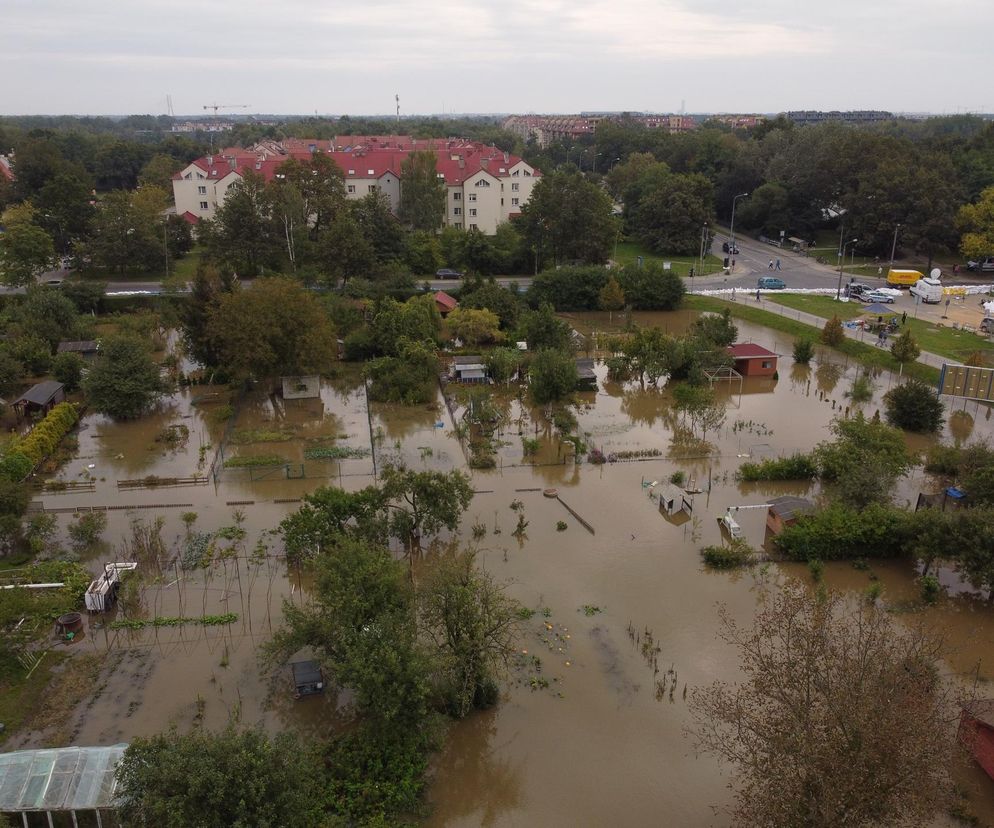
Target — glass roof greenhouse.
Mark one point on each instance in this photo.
(60, 779)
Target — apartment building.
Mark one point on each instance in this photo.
(485, 186)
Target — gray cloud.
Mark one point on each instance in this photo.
(471, 56)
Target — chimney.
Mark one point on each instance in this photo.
(210, 160)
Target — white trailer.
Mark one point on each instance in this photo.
(102, 593)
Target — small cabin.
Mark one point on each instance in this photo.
(86, 348)
(976, 732)
(586, 377)
(752, 360)
(301, 388)
(445, 303)
(42, 397)
(469, 369)
(307, 679)
(784, 511)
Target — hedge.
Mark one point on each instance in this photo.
(41, 441)
(795, 467)
(839, 532)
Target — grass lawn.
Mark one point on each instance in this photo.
(866, 353)
(944, 341)
(180, 271)
(20, 697)
(629, 251)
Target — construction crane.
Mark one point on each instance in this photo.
(217, 124)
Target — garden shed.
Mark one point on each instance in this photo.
(784, 511)
(752, 360)
(307, 678)
(976, 732)
(60, 786)
(445, 303)
(586, 378)
(86, 348)
(301, 388)
(42, 397)
(469, 369)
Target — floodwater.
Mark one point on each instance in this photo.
(588, 732)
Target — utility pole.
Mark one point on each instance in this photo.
(893, 247)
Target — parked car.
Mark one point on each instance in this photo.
(771, 283)
(987, 325)
(447, 273)
(856, 289)
(877, 296)
(985, 264)
(729, 248)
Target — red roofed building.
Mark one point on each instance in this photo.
(445, 303)
(752, 360)
(6, 172)
(485, 185)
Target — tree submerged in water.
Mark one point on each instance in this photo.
(842, 717)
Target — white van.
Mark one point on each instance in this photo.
(929, 289)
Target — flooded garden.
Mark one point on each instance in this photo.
(621, 614)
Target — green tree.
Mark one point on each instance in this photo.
(208, 285)
(422, 192)
(330, 514)
(488, 295)
(425, 502)
(123, 381)
(543, 329)
(232, 778)
(716, 328)
(701, 406)
(395, 323)
(767, 210)
(67, 368)
(473, 625)
(612, 297)
(45, 313)
(976, 224)
(567, 218)
(864, 461)
(344, 252)
(26, 250)
(65, 209)
(905, 348)
(159, 170)
(423, 254)
(474, 327)
(804, 351)
(868, 687)
(379, 226)
(242, 235)
(650, 287)
(833, 333)
(552, 376)
(127, 231)
(11, 371)
(666, 210)
(914, 406)
(276, 327)
(503, 364)
(409, 375)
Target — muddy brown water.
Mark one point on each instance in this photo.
(587, 732)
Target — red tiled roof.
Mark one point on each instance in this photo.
(749, 350)
(5, 170)
(446, 301)
(190, 218)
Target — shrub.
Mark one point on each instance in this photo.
(833, 333)
(737, 553)
(861, 390)
(837, 532)
(45, 437)
(804, 351)
(914, 406)
(930, 588)
(85, 530)
(15, 466)
(678, 478)
(796, 467)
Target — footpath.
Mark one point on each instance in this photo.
(858, 334)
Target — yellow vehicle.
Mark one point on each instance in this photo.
(903, 278)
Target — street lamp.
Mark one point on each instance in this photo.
(731, 231)
(893, 246)
(842, 261)
(596, 156)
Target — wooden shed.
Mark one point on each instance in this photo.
(976, 732)
(42, 397)
(784, 511)
(86, 348)
(752, 360)
(445, 303)
(307, 678)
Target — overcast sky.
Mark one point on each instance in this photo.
(332, 57)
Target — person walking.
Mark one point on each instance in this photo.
(778, 265)
(904, 317)
(757, 294)
(771, 264)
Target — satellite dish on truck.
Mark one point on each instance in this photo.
(936, 273)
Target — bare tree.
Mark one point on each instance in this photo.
(842, 717)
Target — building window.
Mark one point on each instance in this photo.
(767, 364)
(515, 173)
(515, 202)
(351, 188)
(457, 211)
(456, 196)
(457, 225)
(473, 227)
(482, 183)
(472, 211)
(351, 172)
(203, 205)
(371, 172)
(472, 196)
(515, 186)
(373, 188)
(201, 190)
